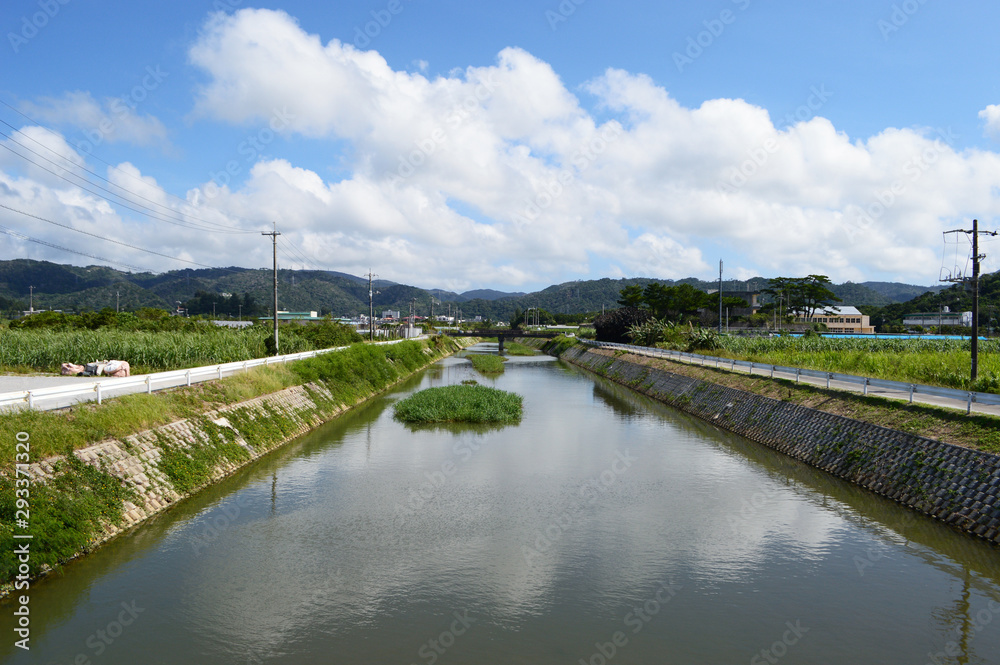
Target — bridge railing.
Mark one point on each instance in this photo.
(864, 383)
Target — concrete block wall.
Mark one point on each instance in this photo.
(136, 458)
(956, 485)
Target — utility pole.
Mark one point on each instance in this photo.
(274, 240)
(117, 301)
(371, 306)
(31, 300)
(720, 297)
(976, 258)
(413, 316)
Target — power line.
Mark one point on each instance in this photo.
(22, 236)
(220, 227)
(109, 164)
(142, 210)
(117, 242)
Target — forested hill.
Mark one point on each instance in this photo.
(957, 298)
(75, 288)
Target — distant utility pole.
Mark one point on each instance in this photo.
(371, 306)
(31, 299)
(720, 296)
(976, 258)
(274, 240)
(117, 300)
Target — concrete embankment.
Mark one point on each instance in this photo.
(955, 485)
(161, 466)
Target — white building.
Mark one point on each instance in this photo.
(938, 319)
(844, 319)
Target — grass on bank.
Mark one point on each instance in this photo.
(518, 349)
(356, 372)
(930, 362)
(460, 404)
(977, 431)
(486, 363)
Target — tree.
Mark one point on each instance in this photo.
(615, 325)
(802, 295)
(633, 296)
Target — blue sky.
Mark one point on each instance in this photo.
(445, 144)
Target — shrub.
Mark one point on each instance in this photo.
(614, 325)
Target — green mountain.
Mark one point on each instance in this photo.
(74, 288)
(957, 298)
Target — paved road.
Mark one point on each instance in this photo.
(12, 384)
(918, 398)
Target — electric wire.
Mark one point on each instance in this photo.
(124, 173)
(219, 227)
(117, 242)
(130, 205)
(22, 236)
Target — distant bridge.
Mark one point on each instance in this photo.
(503, 333)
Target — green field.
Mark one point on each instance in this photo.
(932, 362)
(46, 350)
(460, 404)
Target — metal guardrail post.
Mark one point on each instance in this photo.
(772, 371)
(31, 400)
(751, 368)
(968, 408)
(187, 375)
(149, 384)
(100, 392)
(912, 388)
(829, 376)
(245, 368)
(220, 371)
(732, 368)
(797, 372)
(866, 386)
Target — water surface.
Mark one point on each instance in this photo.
(604, 528)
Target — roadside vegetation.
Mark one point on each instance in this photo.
(467, 403)
(977, 431)
(931, 362)
(666, 317)
(486, 363)
(150, 340)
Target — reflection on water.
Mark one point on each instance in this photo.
(604, 526)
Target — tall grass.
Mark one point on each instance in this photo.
(45, 350)
(465, 404)
(932, 362)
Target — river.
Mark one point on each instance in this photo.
(605, 528)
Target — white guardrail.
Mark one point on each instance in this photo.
(98, 390)
(864, 382)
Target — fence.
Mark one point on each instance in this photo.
(863, 382)
(98, 390)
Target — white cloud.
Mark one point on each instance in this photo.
(991, 116)
(500, 176)
(114, 120)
